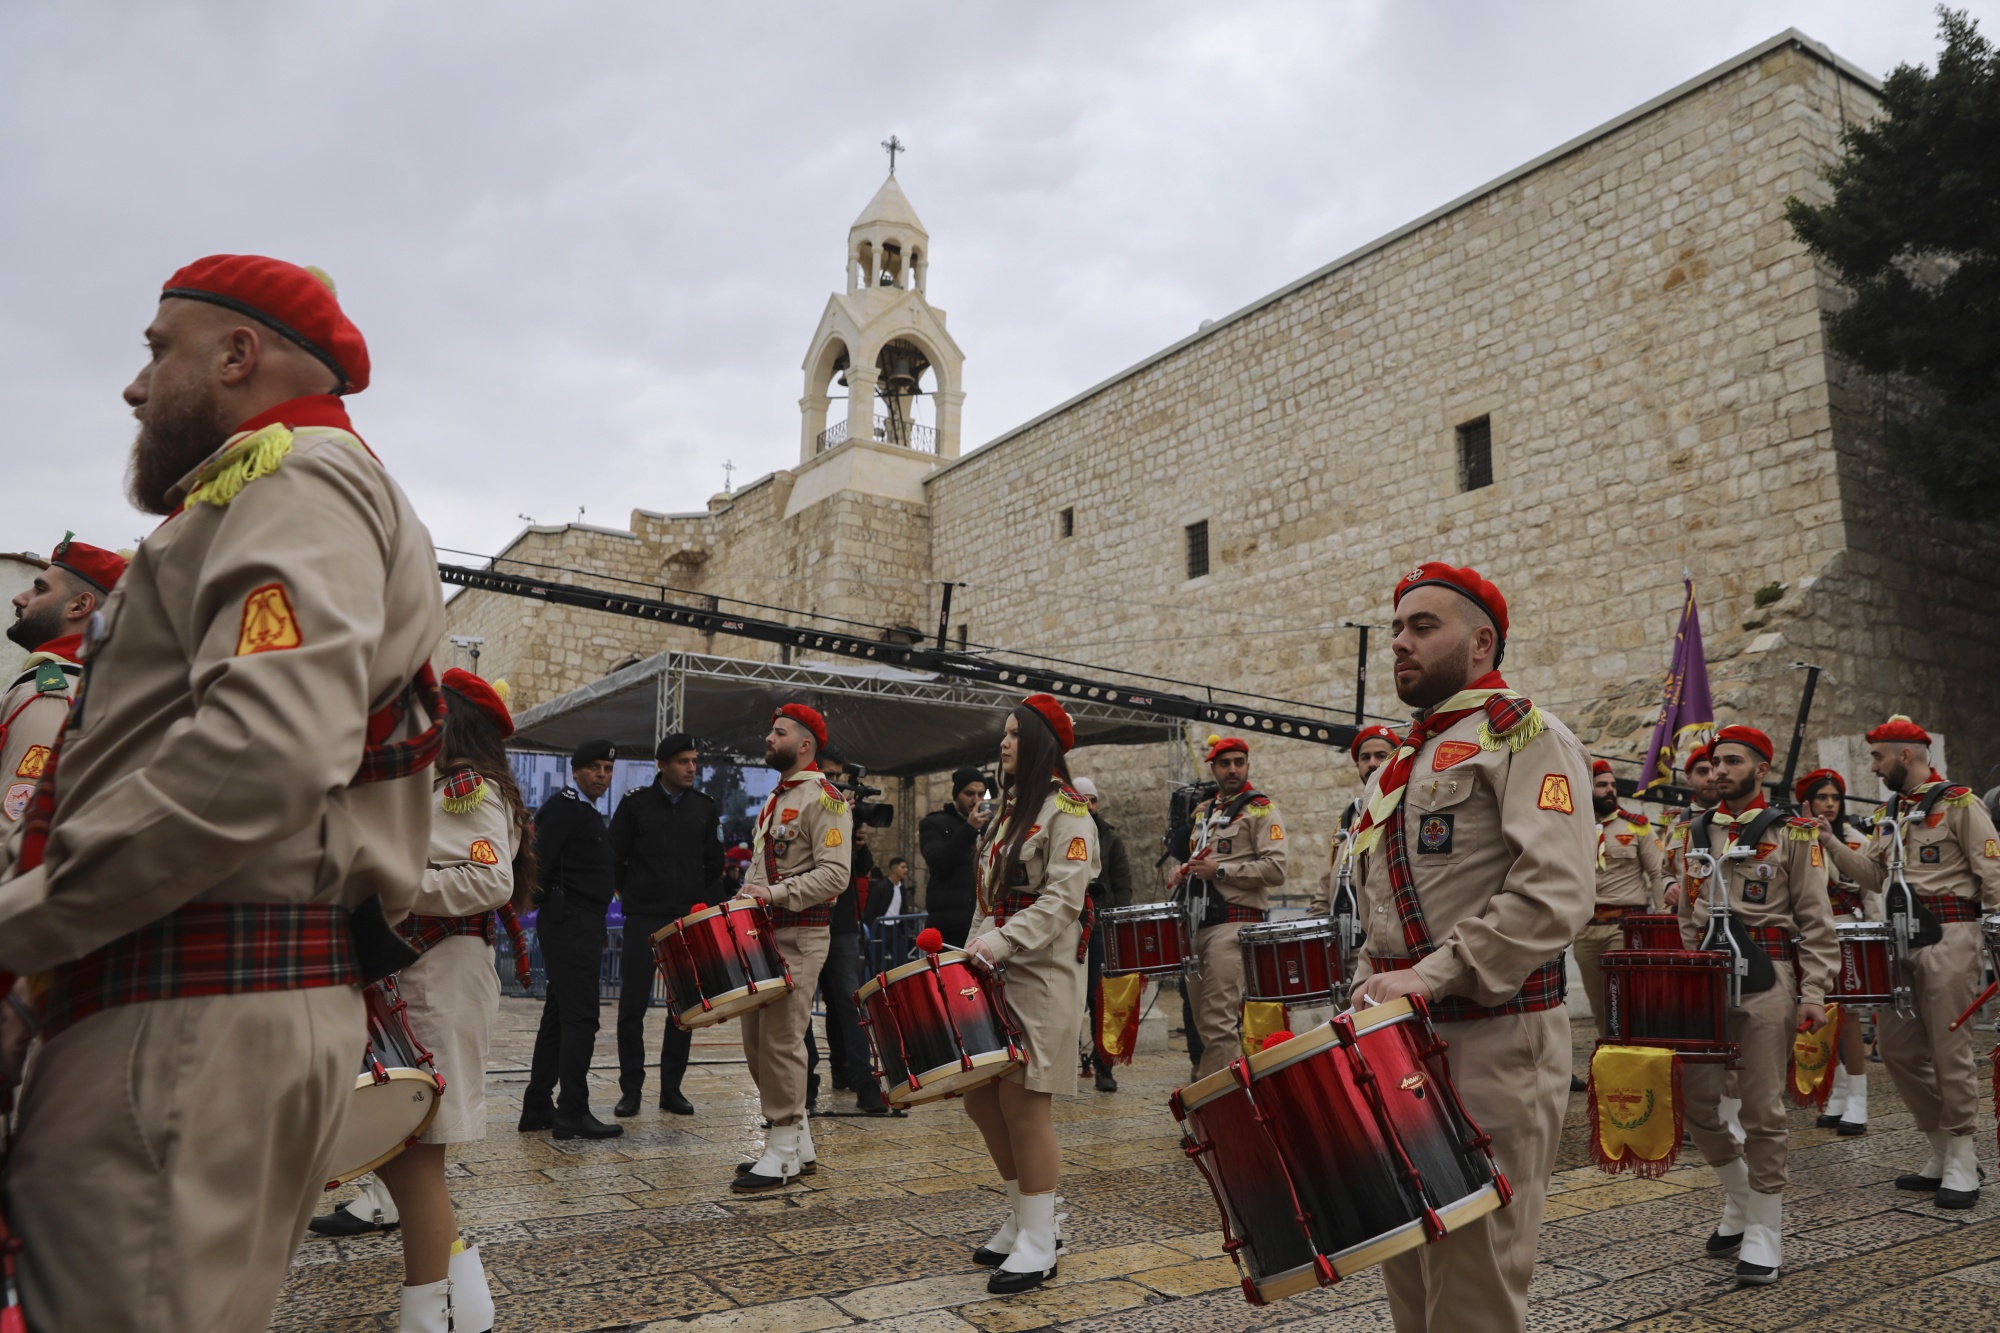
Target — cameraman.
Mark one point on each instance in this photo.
(841, 976)
(947, 837)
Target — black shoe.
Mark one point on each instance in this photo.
(986, 1258)
(1004, 1283)
(1828, 1122)
(1720, 1245)
(840, 1083)
(812, 1092)
(1955, 1198)
(532, 1121)
(805, 1168)
(672, 1102)
(1754, 1275)
(1576, 1084)
(342, 1223)
(628, 1106)
(1917, 1184)
(586, 1126)
(869, 1101)
(1106, 1083)
(1847, 1129)
(749, 1182)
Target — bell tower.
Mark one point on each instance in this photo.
(882, 372)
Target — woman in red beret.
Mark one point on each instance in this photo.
(1035, 862)
(1822, 795)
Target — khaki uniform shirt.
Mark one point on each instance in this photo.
(1321, 901)
(225, 709)
(1675, 841)
(1502, 850)
(810, 824)
(31, 713)
(1249, 850)
(1953, 850)
(471, 865)
(1630, 864)
(1058, 861)
(1782, 885)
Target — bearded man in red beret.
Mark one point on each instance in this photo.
(237, 809)
(1372, 747)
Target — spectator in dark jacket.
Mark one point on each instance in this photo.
(1111, 888)
(840, 976)
(666, 846)
(947, 837)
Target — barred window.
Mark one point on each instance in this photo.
(1197, 549)
(1475, 454)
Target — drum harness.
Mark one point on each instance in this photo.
(1750, 970)
(1911, 925)
(1194, 892)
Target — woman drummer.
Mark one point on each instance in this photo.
(1035, 862)
(1822, 795)
(481, 859)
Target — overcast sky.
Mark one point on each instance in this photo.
(588, 242)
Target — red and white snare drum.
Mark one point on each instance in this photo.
(720, 962)
(939, 1027)
(1867, 963)
(1677, 998)
(1297, 962)
(1652, 930)
(395, 1094)
(1148, 938)
(1338, 1149)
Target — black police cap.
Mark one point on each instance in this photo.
(591, 751)
(678, 743)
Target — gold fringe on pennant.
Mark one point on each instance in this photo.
(242, 463)
(1517, 737)
(1071, 804)
(466, 804)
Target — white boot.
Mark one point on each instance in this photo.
(1033, 1261)
(1959, 1185)
(1001, 1243)
(1836, 1101)
(1933, 1173)
(1763, 1240)
(779, 1164)
(373, 1204)
(1735, 1178)
(1854, 1115)
(1731, 1109)
(471, 1298)
(426, 1309)
(808, 1156)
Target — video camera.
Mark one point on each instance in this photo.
(867, 813)
(1180, 815)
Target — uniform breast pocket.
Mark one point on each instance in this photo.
(1438, 827)
(1927, 846)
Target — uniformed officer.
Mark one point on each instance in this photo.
(243, 806)
(1475, 871)
(1630, 868)
(1370, 749)
(800, 862)
(1237, 850)
(573, 852)
(1951, 859)
(1775, 884)
(49, 621)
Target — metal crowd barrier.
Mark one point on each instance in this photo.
(892, 940)
(610, 969)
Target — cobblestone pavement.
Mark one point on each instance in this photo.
(642, 1233)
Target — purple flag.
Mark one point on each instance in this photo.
(1687, 717)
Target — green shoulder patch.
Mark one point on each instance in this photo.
(50, 678)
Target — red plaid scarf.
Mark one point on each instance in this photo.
(820, 914)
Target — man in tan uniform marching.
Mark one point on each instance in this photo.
(1700, 773)
(1775, 886)
(1630, 867)
(1475, 873)
(799, 863)
(1951, 859)
(239, 802)
(1233, 873)
(1370, 749)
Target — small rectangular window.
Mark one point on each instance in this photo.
(1197, 549)
(1066, 523)
(1475, 454)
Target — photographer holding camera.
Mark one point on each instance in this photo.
(947, 837)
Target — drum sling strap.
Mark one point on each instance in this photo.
(1926, 928)
(1759, 976)
(1216, 910)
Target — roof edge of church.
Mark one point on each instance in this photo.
(1789, 37)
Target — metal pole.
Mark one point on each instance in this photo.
(1361, 677)
(944, 616)
(1798, 732)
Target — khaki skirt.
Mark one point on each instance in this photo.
(454, 998)
(1046, 994)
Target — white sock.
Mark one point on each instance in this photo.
(1856, 1110)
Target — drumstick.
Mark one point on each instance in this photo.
(1983, 997)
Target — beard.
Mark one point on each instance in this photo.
(1440, 680)
(1603, 805)
(1896, 774)
(1732, 791)
(32, 629)
(784, 758)
(183, 425)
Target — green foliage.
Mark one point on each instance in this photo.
(1767, 594)
(1913, 229)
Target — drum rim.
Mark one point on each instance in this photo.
(1311, 928)
(1713, 959)
(941, 1078)
(904, 971)
(1864, 930)
(712, 1015)
(1346, 1263)
(398, 1074)
(733, 905)
(1141, 912)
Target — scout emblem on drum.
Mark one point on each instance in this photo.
(396, 1093)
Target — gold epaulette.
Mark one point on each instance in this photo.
(1257, 805)
(1801, 830)
(1636, 821)
(464, 791)
(255, 455)
(1070, 803)
(1517, 737)
(1959, 797)
(830, 799)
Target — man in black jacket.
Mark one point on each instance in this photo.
(666, 843)
(573, 859)
(946, 838)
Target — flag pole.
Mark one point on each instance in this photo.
(1812, 671)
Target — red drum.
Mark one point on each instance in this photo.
(939, 1027)
(1677, 998)
(1338, 1149)
(1297, 962)
(720, 962)
(1867, 963)
(1148, 938)
(1653, 930)
(395, 1094)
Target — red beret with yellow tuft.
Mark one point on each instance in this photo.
(297, 303)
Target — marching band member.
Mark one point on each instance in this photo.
(1242, 861)
(1630, 866)
(242, 808)
(1370, 749)
(1952, 862)
(1776, 892)
(1699, 769)
(799, 863)
(1474, 868)
(1036, 859)
(1821, 794)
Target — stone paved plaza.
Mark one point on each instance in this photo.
(641, 1232)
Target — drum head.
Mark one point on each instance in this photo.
(381, 1120)
(1266, 932)
(1140, 912)
(953, 1080)
(734, 1004)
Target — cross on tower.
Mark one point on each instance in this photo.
(729, 477)
(892, 146)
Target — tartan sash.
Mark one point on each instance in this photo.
(1949, 907)
(819, 914)
(1775, 941)
(424, 933)
(1015, 901)
(383, 761)
(1546, 988)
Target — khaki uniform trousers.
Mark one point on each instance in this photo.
(1763, 1029)
(1512, 1073)
(171, 1153)
(1591, 942)
(774, 1037)
(1935, 1069)
(1218, 997)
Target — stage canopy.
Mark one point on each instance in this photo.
(897, 723)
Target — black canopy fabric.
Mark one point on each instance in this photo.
(897, 723)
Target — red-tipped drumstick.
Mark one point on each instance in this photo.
(1983, 997)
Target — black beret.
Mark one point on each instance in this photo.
(678, 743)
(964, 778)
(591, 751)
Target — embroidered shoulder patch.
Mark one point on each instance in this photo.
(50, 678)
(33, 762)
(268, 623)
(1818, 858)
(482, 852)
(1452, 752)
(1992, 852)
(1555, 794)
(1277, 833)
(788, 816)
(17, 800)
(832, 838)
(1079, 850)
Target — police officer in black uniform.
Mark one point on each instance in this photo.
(666, 845)
(573, 854)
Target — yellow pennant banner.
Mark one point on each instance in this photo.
(1118, 1016)
(1813, 1056)
(1260, 1019)
(1635, 1109)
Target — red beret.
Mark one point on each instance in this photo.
(483, 697)
(296, 302)
(806, 717)
(93, 564)
(1698, 755)
(1374, 731)
(1467, 582)
(1813, 779)
(1599, 766)
(738, 853)
(1222, 745)
(1741, 735)
(1052, 713)
(1899, 729)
